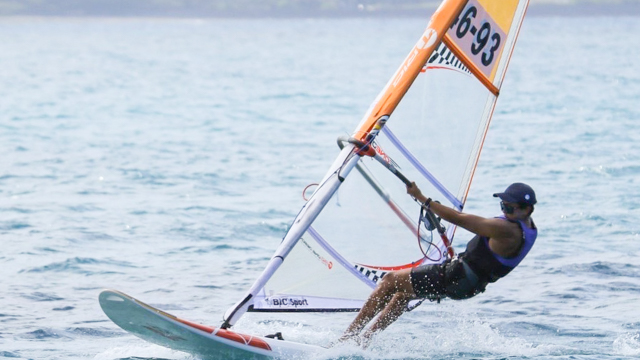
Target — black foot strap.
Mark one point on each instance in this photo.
(277, 336)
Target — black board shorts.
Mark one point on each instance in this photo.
(453, 279)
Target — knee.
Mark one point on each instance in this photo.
(402, 298)
(398, 281)
(386, 286)
(391, 280)
(388, 280)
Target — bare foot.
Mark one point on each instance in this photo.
(366, 338)
(355, 338)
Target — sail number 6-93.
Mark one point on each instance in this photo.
(478, 34)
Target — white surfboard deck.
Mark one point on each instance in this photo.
(161, 328)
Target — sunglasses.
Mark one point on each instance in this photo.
(509, 209)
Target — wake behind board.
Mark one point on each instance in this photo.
(161, 328)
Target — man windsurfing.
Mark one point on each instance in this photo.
(499, 246)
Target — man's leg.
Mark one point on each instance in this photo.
(391, 313)
(392, 290)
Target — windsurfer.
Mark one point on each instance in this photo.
(498, 247)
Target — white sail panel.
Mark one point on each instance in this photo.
(313, 279)
(362, 226)
(442, 120)
(340, 259)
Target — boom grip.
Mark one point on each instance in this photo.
(402, 177)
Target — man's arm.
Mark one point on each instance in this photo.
(493, 228)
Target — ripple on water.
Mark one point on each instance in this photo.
(19, 210)
(84, 208)
(38, 296)
(209, 287)
(600, 269)
(78, 265)
(8, 354)
(44, 334)
(94, 332)
(212, 249)
(263, 229)
(13, 225)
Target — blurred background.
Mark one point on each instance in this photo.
(287, 8)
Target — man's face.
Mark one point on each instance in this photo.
(514, 210)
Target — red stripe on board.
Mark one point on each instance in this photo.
(243, 339)
(204, 328)
(230, 335)
(259, 343)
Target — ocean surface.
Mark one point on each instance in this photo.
(166, 158)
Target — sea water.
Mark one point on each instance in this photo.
(166, 158)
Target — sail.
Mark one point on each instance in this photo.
(429, 124)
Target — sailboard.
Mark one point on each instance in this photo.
(207, 342)
(427, 125)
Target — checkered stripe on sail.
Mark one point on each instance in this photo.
(373, 275)
(442, 56)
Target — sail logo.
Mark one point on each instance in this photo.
(380, 152)
(427, 40)
(384, 156)
(288, 302)
(377, 127)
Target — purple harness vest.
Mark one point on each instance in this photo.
(490, 265)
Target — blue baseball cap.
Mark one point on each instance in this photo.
(518, 193)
